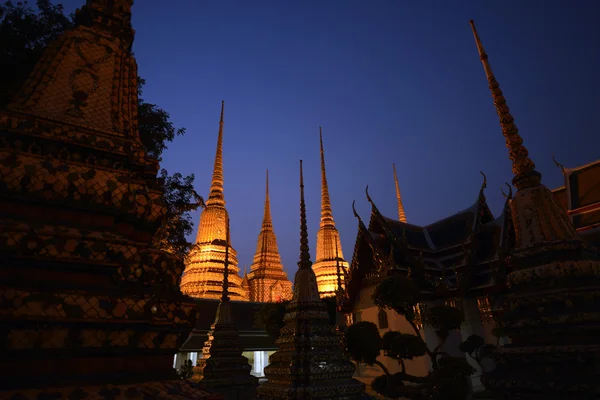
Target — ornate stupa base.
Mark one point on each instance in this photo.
(222, 368)
(309, 363)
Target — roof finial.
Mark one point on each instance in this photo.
(326, 213)
(559, 165)
(523, 167)
(304, 250)
(509, 195)
(216, 196)
(401, 214)
(225, 293)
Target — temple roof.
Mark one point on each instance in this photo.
(470, 239)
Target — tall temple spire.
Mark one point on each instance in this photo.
(549, 269)
(267, 222)
(267, 281)
(304, 262)
(328, 239)
(216, 195)
(309, 362)
(212, 242)
(523, 167)
(326, 214)
(401, 214)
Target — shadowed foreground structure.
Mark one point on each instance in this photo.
(550, 308)
(89, 309)
(309, 363)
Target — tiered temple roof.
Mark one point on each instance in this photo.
(309, 363)
(267, 281)
(463, 249)
(89, 308)
(328, 239)
(203, 275)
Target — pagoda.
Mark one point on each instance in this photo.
(309, 363)
(328, 239)
(89, 308)
(223, 369)
(550, 306)
(267, 281)
(205, 263)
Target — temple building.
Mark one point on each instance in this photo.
(203, 275)
(470, 256)
(267, 281)
(329, 246)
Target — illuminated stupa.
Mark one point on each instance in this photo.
(550, 306)
(310, 363)
(328, 239)
(267, 280)
(203, 275)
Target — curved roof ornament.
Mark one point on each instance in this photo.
(368, 197)
(355, 213)
(484, 184)
(509, 195)
(559, 165)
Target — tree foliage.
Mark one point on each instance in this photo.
(25, 32)
(448, 377)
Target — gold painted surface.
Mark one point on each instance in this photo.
(267, 281)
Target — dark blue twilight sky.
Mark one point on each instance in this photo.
(389, 81)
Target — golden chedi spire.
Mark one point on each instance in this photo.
(401, 214)
(267, 280)
(328, 239)
(203, 274)
(309, 363)
(551, 275)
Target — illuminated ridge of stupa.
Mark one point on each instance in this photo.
(267, 280)
(328, 240)
(203, 275)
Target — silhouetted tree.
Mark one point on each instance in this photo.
(25, 32)
(448, 376)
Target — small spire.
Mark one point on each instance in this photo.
(267, 221)
(326, 213)
(523, 167)
(216, 196)
(401, 214)
(225, 293)
(304, 250)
